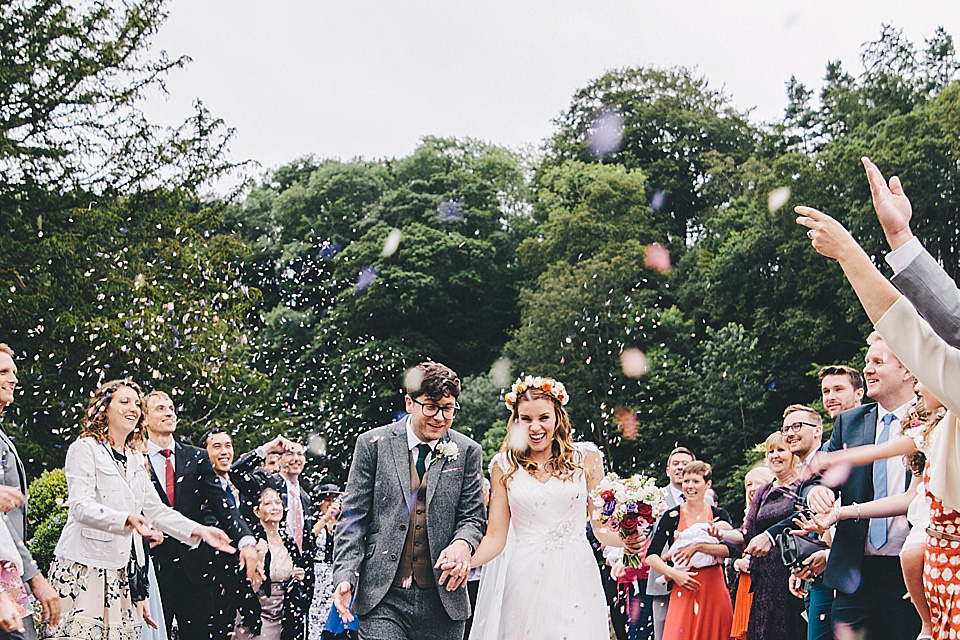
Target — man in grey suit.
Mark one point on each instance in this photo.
(413, 501)
(12, 497)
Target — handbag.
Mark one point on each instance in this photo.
(794, 550)
(137, 577)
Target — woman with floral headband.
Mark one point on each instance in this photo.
(546, 584)
(112, 504)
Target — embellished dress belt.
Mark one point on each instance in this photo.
(942, 535)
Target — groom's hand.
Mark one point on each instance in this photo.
(454, 561)
(341, 600)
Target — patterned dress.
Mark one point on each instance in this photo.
(941, 569)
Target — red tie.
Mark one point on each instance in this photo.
(166, 453)
(297, 510)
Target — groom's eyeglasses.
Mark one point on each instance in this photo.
(430, 410)
(795, 427)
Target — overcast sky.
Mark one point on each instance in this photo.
(348, 78)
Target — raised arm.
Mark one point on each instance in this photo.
(916, 274)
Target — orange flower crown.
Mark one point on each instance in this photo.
(546, 385)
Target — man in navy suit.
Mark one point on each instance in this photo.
(186, 481)
(864, 565)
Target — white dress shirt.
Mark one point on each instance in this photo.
(897, 528)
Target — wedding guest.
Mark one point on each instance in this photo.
(909, 338)
(13, 475)
(112, 503)
(755, 478)
(775, 613)
(257, 469)
(227, 580)
(323, 530)
(184, 479)
(700, 607)
(278, 610)
(841, 388)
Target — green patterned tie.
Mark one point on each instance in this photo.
(424, 450)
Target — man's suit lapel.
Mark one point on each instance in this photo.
(870, 426)
(401, 458)
(434, 469)
(180, 469)
(156, 481)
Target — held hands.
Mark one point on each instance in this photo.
(891, 204)
(818, 523)
(341, 600)
(250, 563)
(821, 499)
(454, 564)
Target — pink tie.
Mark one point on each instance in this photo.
(297, 511)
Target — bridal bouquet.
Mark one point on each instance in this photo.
(628, 506)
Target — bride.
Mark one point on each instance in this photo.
(546, 584)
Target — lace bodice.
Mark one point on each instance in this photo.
(549, 514)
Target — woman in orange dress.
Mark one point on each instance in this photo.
(700, 607)
(755, 478)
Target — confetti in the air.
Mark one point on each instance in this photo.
(657, 257)
(412, 381)
(777, 198)
(450, 211)
(392, 243)
(517, 437)
(606, 134)
(627, 421)
(500, 374)
(634, 362)
(658, 200)
(317, 444)
(366, 278)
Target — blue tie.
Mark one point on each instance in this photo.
(878, 526)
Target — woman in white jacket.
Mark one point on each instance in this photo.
(112, 502)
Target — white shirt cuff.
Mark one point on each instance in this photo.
(899, 259)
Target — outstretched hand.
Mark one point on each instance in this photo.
(891, 204)
(214, 537)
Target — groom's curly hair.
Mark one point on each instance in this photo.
(433, 380)
(564, 458)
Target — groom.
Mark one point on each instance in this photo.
(413, 500)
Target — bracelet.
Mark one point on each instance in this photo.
(857, 507)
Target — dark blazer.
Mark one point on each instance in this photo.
(853, 428)
(199, 496)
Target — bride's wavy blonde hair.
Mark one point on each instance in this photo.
(564, 458)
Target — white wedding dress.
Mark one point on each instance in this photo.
(546, 584)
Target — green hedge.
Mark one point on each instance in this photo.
(46, 515)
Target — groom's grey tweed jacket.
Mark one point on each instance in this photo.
(376, 513)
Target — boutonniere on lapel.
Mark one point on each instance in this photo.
(447, 450)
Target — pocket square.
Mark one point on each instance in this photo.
(450, 470)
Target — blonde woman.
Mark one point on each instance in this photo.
(775, 613)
